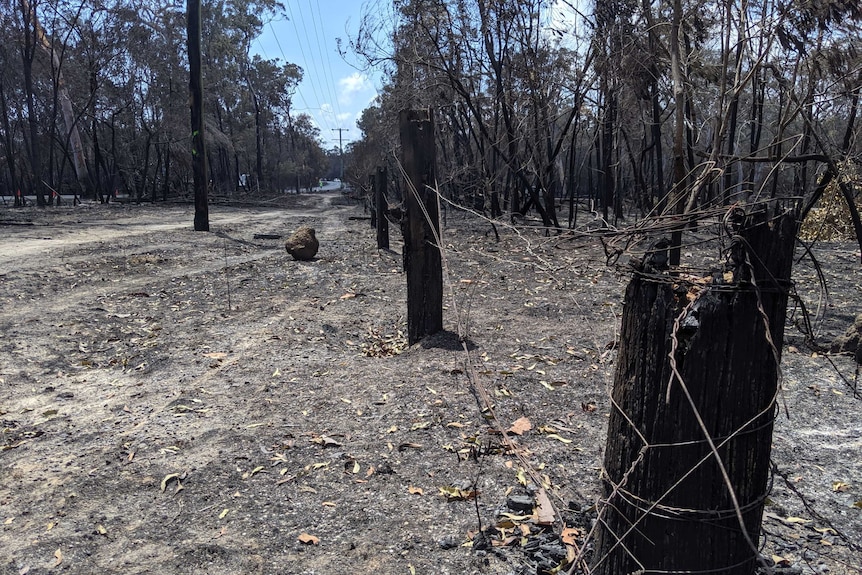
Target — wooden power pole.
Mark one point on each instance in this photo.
(199, 153)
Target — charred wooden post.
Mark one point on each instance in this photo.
(421, 226)
(380, 207)
(368, 198)
(668, 507)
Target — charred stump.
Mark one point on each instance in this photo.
(668, 507)
(421, 226)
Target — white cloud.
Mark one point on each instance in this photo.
(351, 85)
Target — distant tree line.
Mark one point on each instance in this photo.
(94, 101)
(633, 107)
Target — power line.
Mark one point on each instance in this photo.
(312, 71)
(328, 68)
(277, 43)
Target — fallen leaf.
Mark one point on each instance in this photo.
(50, 526)
(216, 355)
(328, 503)
(522, 476)
(255, 471)
(780, 561)
(224, 513)
(325, 441)
(791, 520)
(858, 504)
(839, 486)
(415, 490)
(553, 385)
(404, 446)
(348, 295)
(588, 407)
(569, 535)
(307, 539)
(454, 424)
(558, 437)
(515, 518)
(9, 521)
(356, 467)
(168, 479)
(455, 494)
(521, 425)
(58, 557)
(286, 479)
(100, 529)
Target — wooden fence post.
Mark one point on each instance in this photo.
(370, 200)
(380, 206)
(421, 226)
(668, 508)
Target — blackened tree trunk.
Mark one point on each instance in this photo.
(34, 147)
(8, 141)
(421, 226)
(199, 154)
(380, 207)
(669, 507)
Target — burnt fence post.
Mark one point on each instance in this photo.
(421, 226)
(667, 505)
(380, 206)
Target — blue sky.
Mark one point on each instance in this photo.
(332, 92)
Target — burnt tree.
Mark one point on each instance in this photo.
(697, 375)
(421, 226)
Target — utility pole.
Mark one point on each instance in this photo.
(341, 151)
